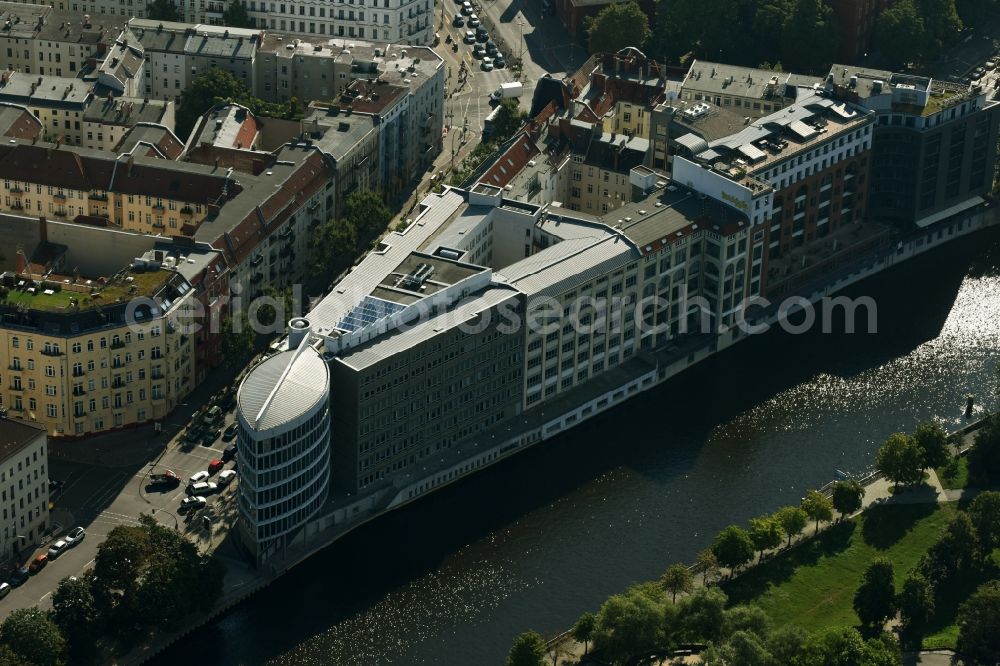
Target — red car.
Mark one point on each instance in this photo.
(38, 563)
(215, 466)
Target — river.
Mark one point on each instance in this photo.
(540, 538)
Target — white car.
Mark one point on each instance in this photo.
(203, 488)
(193, 503)
(57, 549)
(474, 21)
(487, 65)
(199, 477)
(75, 536)
(225, 477)
(4, 590)
(467, 8)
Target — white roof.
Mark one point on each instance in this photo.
(283, 387)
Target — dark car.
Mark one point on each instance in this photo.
(499, 61)
(19, 576)
(491, 48)
(210, 436)
(458, 21)
(195, 434)
(482, 35)
(229, 453)
(229, 433)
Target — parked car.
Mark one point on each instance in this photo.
(474, 21)
(4, 589)
(230, 432)
(491, 48)
(479, 51)
(195, 434)
(166, 480)
(486, 65)
(470, 37)
(229, 453)
(38, 563)
(210, 436)
(19, 576)
(202, 488)
(215, 465)
(482, 35)
(458, 21)
(198, 477)
(58, 548)
(192, 503)
(226, 477)
(214, 416)
(77, 534)
(467, 7)
(499, 62)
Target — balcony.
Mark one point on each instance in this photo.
(117, 344)
(118, 384)
(156, 375)
(79, 391)
(15, 366)
(60, 212)
(313, 205)
(97, 196)
(51, 351)
(158, 207)
(59, 196)
(187, 211)
(80, 414)
(17, 189)
(256, 260)
(79, 373)
(17, 387)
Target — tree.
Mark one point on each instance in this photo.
(786, 643)
(979, 625)
(817, 506)
(847, 497)
(810, 41)
(9, 658)
(765, 533)
(743, 648)
(677, 578)
(836, 645)
(237, 342)
(792, 520)
(984, 457)
(583, 630)
(627, 625)
(984, 512)
(746, 618)
(528, 650)
(960, 542)
(733, 547)
(617, 26)
(205, 90)
(162, 10)
(508, 120)
(875, 599)
(932, 440)
(942, 23)
(32, 635)
(900, 460)
(333, 246)
(708, 564)
(902, 35)
(75, 612)
(916, 606)
(368, 212)
(702, 615)
(236, 15)
(121, 556)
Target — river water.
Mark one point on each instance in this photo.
(537, 540)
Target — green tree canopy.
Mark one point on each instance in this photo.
(32, 635)
(528, 650)
(677, 579)
(941, 22)
(979, 625)
(916, 606)
(960, 541)
(733, 547)
(810, 36)
(765, 533)
(817, 506)
(333, 246)
(708, 564)
(218, 86)
(508, 120)
(984, 512)
(747, 618)
(583, 630)
(932, 440)
(900, 460)
(75, 612)
(984, 458)
(743, 647)
(236, 15)
(628, 625)
(702, 615)
(792, 520)
(875, 598)
(787, 643)
(368, 212)
(162, 10)
(847, 497)
(617, 26)
(237, 342)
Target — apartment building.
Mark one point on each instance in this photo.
(39, 39)
(176, 52)
(87, 352)
(386, 21)
(619, 90)
(74, 112)
(745, 90)
(934, 150)
(24, 488)
(17, 122)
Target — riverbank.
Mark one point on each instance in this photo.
(809, 581)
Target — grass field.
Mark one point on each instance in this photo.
(955, 475)
(813, 584)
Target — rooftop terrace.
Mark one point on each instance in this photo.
(58, 293)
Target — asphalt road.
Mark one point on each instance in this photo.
(102, 496)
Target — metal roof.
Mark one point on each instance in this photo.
(566, 265)
(283, 388)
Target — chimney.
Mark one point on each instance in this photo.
(21, 262)
(43, 229)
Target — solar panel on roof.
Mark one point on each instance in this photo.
(370, 310)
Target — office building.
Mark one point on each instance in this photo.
(744, 90)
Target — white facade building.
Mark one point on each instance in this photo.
(24, 486)
(396, 21)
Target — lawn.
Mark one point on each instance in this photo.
(954, 475)
(813, 584)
